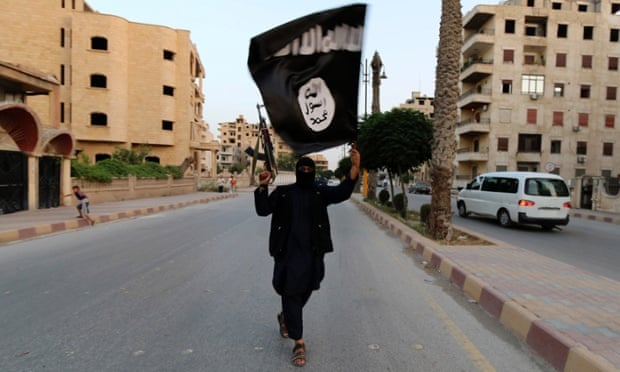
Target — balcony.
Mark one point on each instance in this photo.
(479, 42)
(474, 98)
(473, 126)
(476, 70)
(528, 157)
(468, 154)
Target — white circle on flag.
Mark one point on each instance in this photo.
(317, 104)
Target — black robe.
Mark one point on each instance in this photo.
(299, 265)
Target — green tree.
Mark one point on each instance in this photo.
(445, 118)
(398, 140)
(286, 162)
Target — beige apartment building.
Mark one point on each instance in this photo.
(419, 102)
(236, 136)
(539, 89)
(121, 83)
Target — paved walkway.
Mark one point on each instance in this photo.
(568, 316)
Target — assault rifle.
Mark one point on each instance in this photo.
(264, 138)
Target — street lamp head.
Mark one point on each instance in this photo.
(383, 75)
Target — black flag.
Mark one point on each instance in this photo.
(307, 71)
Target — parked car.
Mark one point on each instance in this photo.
(517, 197)
(420, 188)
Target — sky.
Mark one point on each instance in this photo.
(404, 33)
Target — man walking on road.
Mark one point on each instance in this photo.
(299, 238)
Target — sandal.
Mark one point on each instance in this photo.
(299, 355)
(283, 331)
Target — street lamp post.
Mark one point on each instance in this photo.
(365, 81)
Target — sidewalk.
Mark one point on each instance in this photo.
(30, 224)
(568, 316)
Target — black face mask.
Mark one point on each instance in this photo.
(304, 179)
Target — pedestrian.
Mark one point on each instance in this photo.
(233, 183)
(299, 239)
(220, 183)
(83, 205)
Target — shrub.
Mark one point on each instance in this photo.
(399, 202)
(384, 196)
(425, 211)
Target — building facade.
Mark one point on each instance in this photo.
(122, 84)
(539, 89)
(238, 135)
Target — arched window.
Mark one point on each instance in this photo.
(98, 118)
(98, 43)
(98, 81)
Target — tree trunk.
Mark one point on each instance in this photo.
(445, 117)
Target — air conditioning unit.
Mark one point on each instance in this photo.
(581, 159)
(534, 96)
(576, 128)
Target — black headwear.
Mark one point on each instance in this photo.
(305, 179)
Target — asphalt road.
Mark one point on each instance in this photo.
(586, 244)
(189, 290)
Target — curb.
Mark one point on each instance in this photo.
(49, 228)
(560, 351)
(594, 217)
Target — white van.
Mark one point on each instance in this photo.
(517, 197)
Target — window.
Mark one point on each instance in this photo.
(62, 74)
(152, 159)
(562, 31)
(530, 29)
(529, 142)
(502, 144)
(588, 32)
(532, 84)
(101, 157)
(612, 63)
(529, 59)
(168, 90)
(62, 37)
(615, 8)
(614, 35)
(608, 149)
(558, 118)
(610, 121)
(582, 148)
(530, 3)
(99, 43)
(531, 116)
(556, 6)
(62, 112)
(558, 89)
(582, 8)
(98, 81)
(582, 119)
(167, 125)
(168, 55)
(611, 93)
(560, 60)
(556, 146)
(509, 26)
(505, 115)
(98, 118)
(509, 56)
(507, 86)
(586, 61)
(584, 91)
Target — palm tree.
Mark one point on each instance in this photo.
(446, 97)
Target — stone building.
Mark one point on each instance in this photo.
(539, 89)
(34, 149)
(121, 84)
(236, 136)
(419, 102)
